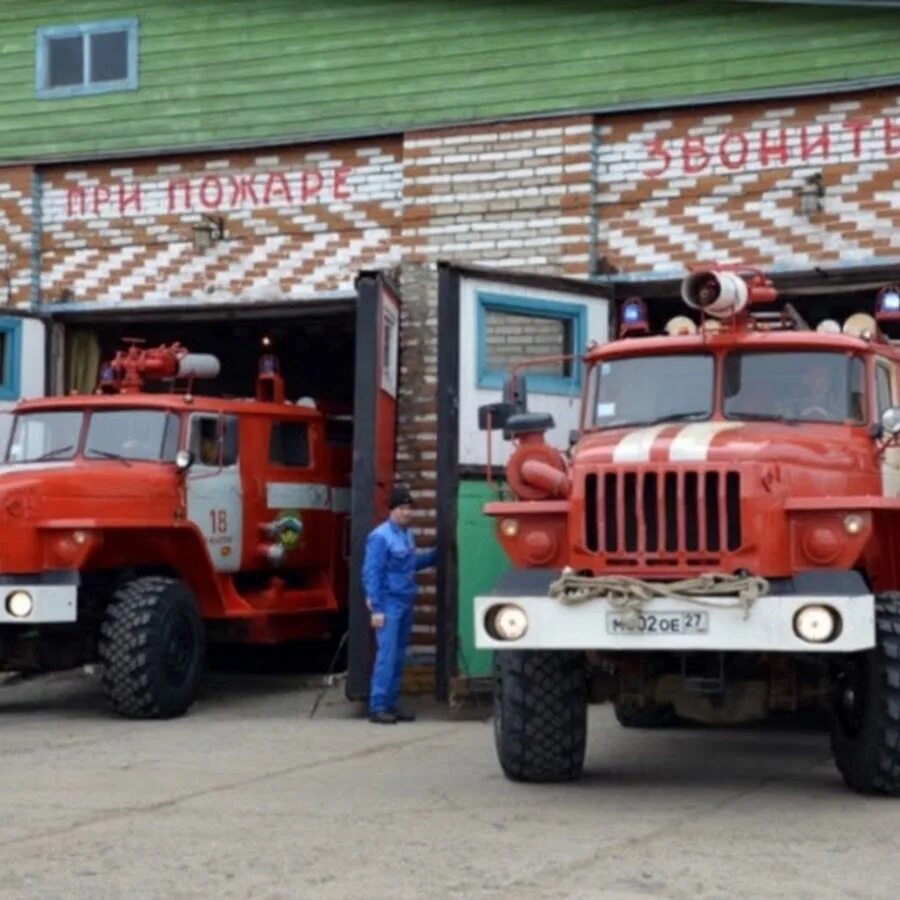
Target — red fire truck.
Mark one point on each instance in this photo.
(720, 543)
(143, 520)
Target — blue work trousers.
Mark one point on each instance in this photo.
(393, 639)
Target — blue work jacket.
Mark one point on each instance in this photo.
(391, 563)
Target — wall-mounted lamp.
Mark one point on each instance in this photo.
(207, 231)
(811, 193)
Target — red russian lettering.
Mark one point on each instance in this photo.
(727, 148)
(768, 151)
(243, 190)
(822, 143)
(127, 198)
(187, 199)
(695, 155)
(211, 199)
(277, 188)
(341, 175)
(311, 182)
(857, 127)
(101, 197)
(891, 132)
(75, 197)
(656, 149)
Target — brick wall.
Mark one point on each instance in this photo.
(298, 222)
(511, 195)
(15, 236)
(506, 195)
(512, 337)
(721, 183)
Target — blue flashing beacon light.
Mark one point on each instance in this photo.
(887, 304)
(633, 317)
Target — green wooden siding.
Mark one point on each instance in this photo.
(481, 561)
(225, 71)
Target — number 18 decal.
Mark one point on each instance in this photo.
(219, 520)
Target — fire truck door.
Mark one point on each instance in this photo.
(214, 493)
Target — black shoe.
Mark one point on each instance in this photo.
(383, 718)
(401, 716)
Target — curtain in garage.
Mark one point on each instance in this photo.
(82, 361)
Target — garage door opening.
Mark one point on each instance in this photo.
(315, 350)
(341, 351)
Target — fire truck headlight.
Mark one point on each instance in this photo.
(507, 622)
(19, 604)
(817, 624)
(853, 524)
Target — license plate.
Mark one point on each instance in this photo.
(659, 623)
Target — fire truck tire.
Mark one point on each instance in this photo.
(865, 717)
(153, 648)
(540, 714)
(651, 715)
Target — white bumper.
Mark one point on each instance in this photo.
(768, 626)
(52, 603)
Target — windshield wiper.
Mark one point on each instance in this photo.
(763, 417)
(106, 454)
(679, 417)
(56, 452)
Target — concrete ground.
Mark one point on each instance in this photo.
(249, 797)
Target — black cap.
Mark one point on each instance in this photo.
(400, 497)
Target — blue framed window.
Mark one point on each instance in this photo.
(513, 329)
(10, 358)
(92, 58)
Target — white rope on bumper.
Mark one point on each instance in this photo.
(626, 594)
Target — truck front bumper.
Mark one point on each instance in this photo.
(39, 600)
(769, 625)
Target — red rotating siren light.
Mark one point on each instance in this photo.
(887, 304)
(723, 291)
(633, 318)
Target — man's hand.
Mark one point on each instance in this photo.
(377, 620)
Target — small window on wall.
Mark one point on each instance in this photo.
(74, 60)
(514, 330)
(390, 332)
(10, 388)
(289, 444)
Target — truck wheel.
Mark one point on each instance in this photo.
(651, 715)
(540, 714)
(152, 646)
(865, 716)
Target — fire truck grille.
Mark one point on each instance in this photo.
(663, 514)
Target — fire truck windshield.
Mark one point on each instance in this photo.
(795, 386)
(39, 436)
(150, 435)
(644, 390)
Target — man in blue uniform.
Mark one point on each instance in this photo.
(389, 577)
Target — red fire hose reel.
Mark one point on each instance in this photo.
(129, 370)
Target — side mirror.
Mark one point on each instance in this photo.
(528, 423)
(515, 392)
(497, 413)
(890, 422)
(184, 459)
